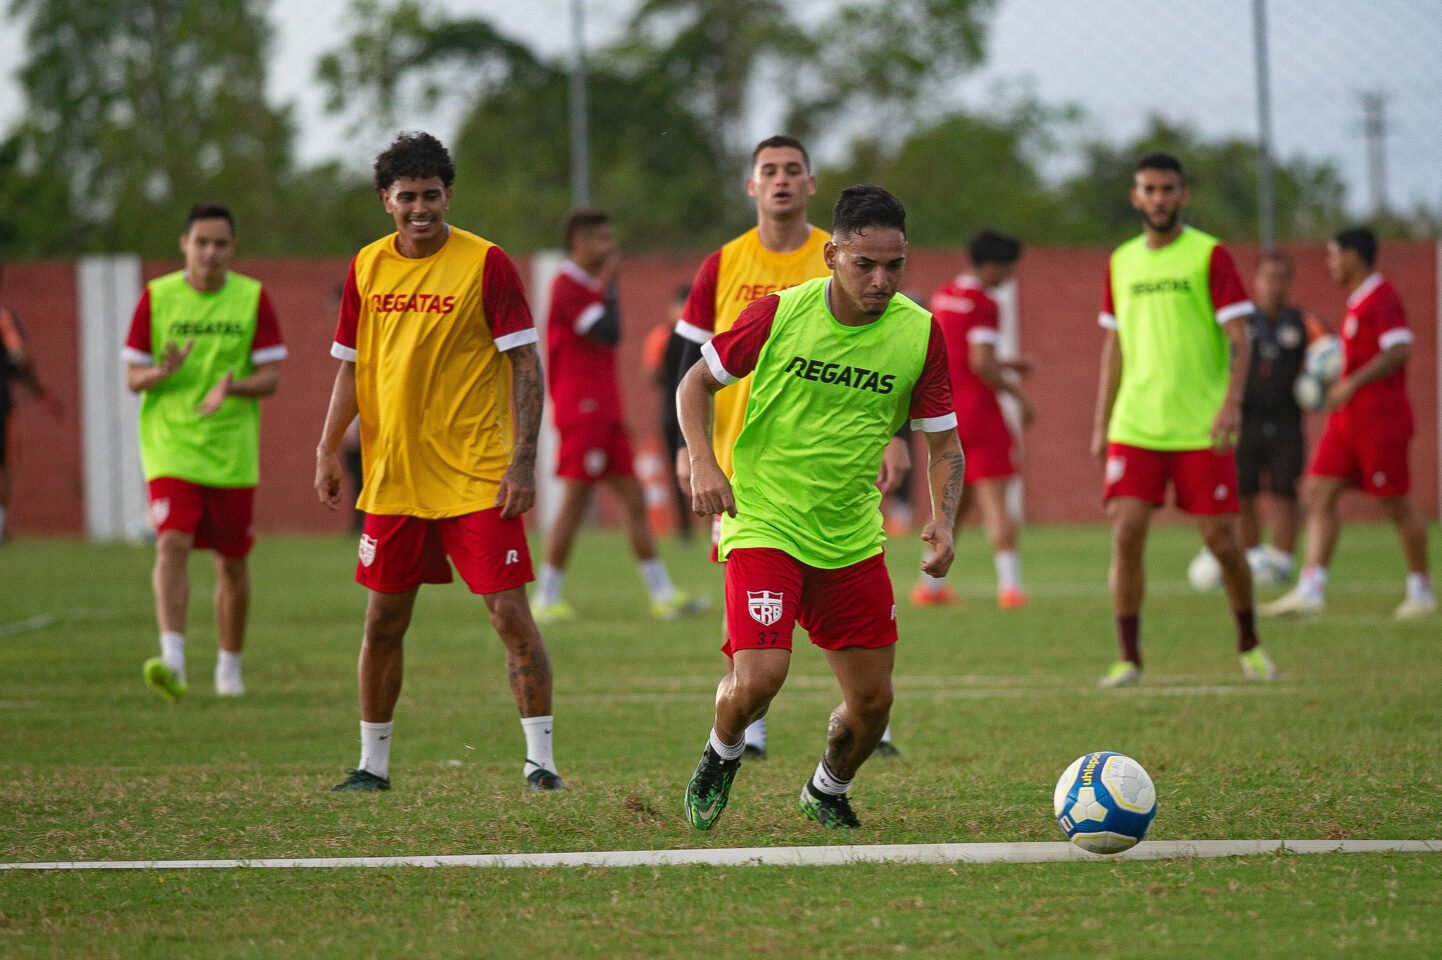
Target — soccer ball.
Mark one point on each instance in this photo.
(1105, 802)
(1309, 392)
(1324, 359)
(1204, 573)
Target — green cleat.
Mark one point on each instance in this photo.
(709, 789)
(681, 604)
(1256, 665)
(558, 612)
(164, 680)
(361, 781)
(829, 810)
(1123, 673)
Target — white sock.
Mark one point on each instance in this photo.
(1313, 583)
(827, 782)
(929, 582)
(658, 581)
(548, 584)
(1283, 562)
(1257, 556)
(756, 735)
(538, 744)
(228, 665)
(886, 734)
(1419, 587)
(376, 748)
(726, 751)
(172, 651)
(1008, 570)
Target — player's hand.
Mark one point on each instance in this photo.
(938, 534)
(683, 471)
(1028, 412)
(895, 464)
(1021, 366)
(518, 491)
(711, 491)
(1226, 428)
(1339, 393)
(173, 357)
(216, 396)
(1099, 443)
(610, 270)
(327, 479)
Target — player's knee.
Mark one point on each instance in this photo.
(755, 691)
(511, 619)
(172, 546)
(872, 706)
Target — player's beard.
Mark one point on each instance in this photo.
(1166, 226)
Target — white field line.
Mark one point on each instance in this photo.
(38, 622)
(943, 853)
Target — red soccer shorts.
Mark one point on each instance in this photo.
(769, 591)
(988, 446)
(398, 553)
(218, 517)
(1376, 461)
(592, 449)
(1205, 482)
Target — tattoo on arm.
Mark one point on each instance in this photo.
(526, 387)
(955, 463)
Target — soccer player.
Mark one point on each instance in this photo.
(204, 347)
(969, 320)
(581, 337)
(1367, 434)
(1271, 440)
(781, 251)
(438, 356)
(18, 364)
(836, 365)
(1169, 406)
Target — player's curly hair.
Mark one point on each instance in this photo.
(417, 155)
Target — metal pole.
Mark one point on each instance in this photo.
(580, 133)
(1374, 127)
(1266, 196)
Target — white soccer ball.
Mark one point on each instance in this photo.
(1105, 802)
(1324, 359)
(1204, 573)
(1309, 392)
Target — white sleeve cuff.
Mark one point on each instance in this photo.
(983, 335)
(1235, 310)
(935, 424)
(342, 352)
(518, 339)
(1107, 320)
(139, 357)
(713, 362)
(269, 354)
(590, 317)
(692, 332)
(1393, 337)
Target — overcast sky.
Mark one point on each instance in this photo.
(1120, 60)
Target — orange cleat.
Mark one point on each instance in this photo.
(924, 596)
(1011, 599)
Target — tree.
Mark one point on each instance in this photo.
(140, 110)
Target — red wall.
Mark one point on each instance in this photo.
(1059, 290)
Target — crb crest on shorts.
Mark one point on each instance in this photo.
(367, 550)
(764, 606)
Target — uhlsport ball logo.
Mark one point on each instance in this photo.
(1105, 802)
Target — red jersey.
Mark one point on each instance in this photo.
(581, 371)
(1374, 322)
(968, 315)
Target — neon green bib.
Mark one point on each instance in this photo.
(1174, 353)
(825, 399)
(223, 449)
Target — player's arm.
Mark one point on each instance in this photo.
(140, 377)
(981, 357)
(1111, 381)
(518, 486)
(946, 471)
(710, 490)
(338, 416)
(696, 325)
(895, 461)
(1383, 365)
(602, 321)
(1228, 423)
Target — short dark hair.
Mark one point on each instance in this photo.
(1159, 160)
(1360, 239)
(209, 211)
(991, 246)
(417, 155)
(580, 220)
(778, 142)
(1273, 255)
(866, 205)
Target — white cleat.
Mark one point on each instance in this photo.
(1293, 604)
(1413, 609)
(227, 685)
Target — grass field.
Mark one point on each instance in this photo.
(990, 708)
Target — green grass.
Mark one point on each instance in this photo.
(990, 708)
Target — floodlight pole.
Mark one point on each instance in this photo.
(1266, 197)
(580, 133)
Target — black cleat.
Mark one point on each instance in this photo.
(827, 809)
(361, 781)
(542, 780)
(753, 752)
(886, 750)
(709, 789)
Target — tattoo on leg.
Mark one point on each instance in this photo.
(839, 743)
